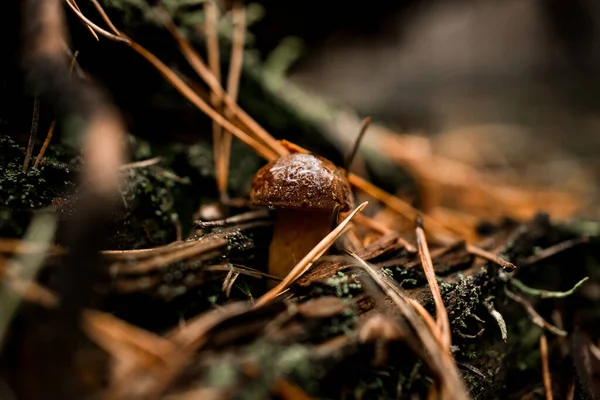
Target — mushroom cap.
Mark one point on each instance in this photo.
(301, 181)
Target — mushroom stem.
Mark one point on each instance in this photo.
(296, 232)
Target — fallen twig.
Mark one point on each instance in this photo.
(545, 367)
(535, 317)
(441, 313)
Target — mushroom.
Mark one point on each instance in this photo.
(306, 190)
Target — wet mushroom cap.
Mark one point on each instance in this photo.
(301, 181)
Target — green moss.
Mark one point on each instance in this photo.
(344, 284)
(22, 192)
(276, 361)
(148, 196)
(466, 296)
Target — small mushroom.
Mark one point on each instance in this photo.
(306, 190)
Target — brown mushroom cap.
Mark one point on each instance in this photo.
(301, 181)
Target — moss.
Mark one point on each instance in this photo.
(22, 192)
(276, 361)
(344, 284)
(338, 325)
(466, 295)
(151, 216)
(408, 277)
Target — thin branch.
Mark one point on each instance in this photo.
(498, 317)
(233, 81)
(247, 216)
(440, 310)
(141, 164)
(200, 247)
(103, 32)
(384, 230)
(184, 89)
(506, 265)
(214, 62)
(86, 25)
(547, 294)
(228, 282)
(35, 119)
(40, 156)
(364, 125)
(443, 362)
(202, 70)
(552, 250)
(533, 314)
(545, 366)
(105, 17)
(145, 253)
(189, 94)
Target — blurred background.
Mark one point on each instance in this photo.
(505, 85)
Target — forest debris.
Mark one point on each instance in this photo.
(382, 229)
(364, 125)
(236, 219)
(197, 248)
(547, 294)
(50, 133)
(498, 317)
(545, 367)
(552, 250)
(45, 145)
(505, 265)
(441, 359)
(288, 391)
(33, 134)
(209, 78)
(21, 271)
(535, 317)
(322, 307)
(441, 314)
(586, 364)
(141, 164)
(387, 243)
(181, 86)
(127, 344)
(228, 282)
(214, 63)
(238, 16)
(307, 326)
(380, 330)
(22, 246)
(467, 188)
